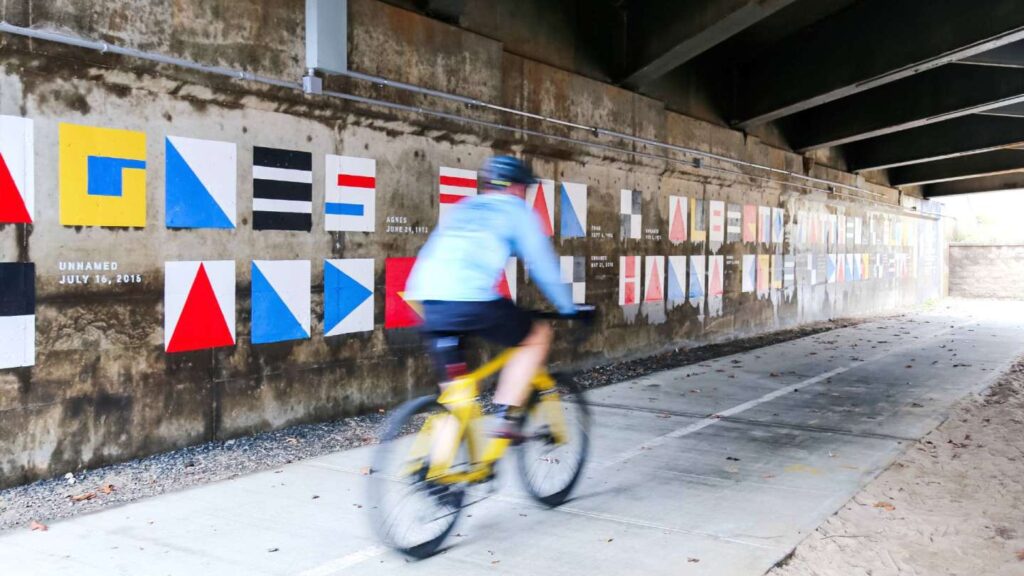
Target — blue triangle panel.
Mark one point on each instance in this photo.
(570, 221)
(696, 290)
(675, 291)
(272, 321)
(342, 295)
(189, 203)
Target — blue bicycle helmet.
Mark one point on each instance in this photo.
(502, 171)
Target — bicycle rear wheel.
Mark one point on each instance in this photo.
(410, 513)
(557, 429)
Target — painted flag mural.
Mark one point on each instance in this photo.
(778, 226)
(17, 314)
(764, 271)
(749, 223)
(830, 269)
(350, 195)
(696, 291)
(716, 285)
(574, 210)
(675, 292)
(280, 300)
(508, 283)
(716, 235)
(454, 185)
(629, 280)
(677, 224)
(789, 273)
(17, 170)
(698, 221)
(630, 214)
(764, 225)
(102, 176)
(200, 180)
(733, 223)
(541, 198)
(574, 273)
(348, 296)
(199, 305)
(282, 189)
(749, 274)
(399, 312)
(654, 289)
(776, 263)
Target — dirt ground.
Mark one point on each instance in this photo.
(952, 504)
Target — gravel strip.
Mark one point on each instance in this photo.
(91, 490)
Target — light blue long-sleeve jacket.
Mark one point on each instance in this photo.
(463, 259)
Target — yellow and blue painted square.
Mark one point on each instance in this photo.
(102, 176)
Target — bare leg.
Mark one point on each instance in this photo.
(526, 361)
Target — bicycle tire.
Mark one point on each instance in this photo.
(579, 432)
(398, 426)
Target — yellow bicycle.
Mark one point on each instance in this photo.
(417, 501)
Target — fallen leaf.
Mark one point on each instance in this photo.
(610, 539)
(82, 497)
(693, 560)
(272, 549)
(108, 489)
(38, 526)
(887, 506)
(732, 458)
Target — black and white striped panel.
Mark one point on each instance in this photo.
(282, 189)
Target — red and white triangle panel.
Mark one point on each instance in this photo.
(199, 305)
(17, 170)
(654, 289)
(540, 197)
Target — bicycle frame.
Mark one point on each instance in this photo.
(460, 401)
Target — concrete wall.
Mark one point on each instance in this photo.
(986, 271)
(101, 388)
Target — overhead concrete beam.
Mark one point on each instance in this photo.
(941, 94)
(1011, 55)
(1011, 110)
(949, 139)
(870, 44)
(666, 40)
(996, 183)
(970, 166)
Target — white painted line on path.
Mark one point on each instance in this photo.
(339, 565)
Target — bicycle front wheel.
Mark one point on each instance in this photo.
(557, 441)
(412, 514)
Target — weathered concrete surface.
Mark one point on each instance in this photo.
(718, 468)
(986, 271)
(102, 389)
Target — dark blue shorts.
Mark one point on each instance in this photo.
(445, 322)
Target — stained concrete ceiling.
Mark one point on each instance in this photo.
(927, 95)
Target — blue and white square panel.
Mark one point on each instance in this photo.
(280, 300)
(201, 183)
(348, 296)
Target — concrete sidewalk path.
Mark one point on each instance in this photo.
(719, 468)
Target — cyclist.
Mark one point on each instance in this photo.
(456, 277)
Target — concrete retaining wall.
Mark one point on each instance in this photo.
(100, 386)
(986, 271)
